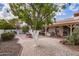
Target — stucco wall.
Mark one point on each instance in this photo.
(59, 31)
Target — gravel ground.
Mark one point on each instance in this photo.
(10, 48)
(48, 47)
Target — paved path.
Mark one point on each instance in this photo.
(48, 47)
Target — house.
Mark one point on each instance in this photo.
(64, 27)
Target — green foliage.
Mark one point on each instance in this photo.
(5, 25)
(74, 38)
(37, 25)
(7, 36)
(36, 15)
(25, 29)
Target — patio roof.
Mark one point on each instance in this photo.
(74, 20)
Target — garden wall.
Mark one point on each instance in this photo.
(18, 31)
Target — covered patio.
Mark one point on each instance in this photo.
(64, 27)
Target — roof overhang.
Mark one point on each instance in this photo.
(65, 22)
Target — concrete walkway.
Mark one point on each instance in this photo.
(48, 47)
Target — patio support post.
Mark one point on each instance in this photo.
(70, 29)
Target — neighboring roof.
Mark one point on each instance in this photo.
(76, 14)
(69, 21)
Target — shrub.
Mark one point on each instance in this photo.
(7, 36)
(74, 38)
(25, 29)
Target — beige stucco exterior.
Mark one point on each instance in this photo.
(60, 33)
(58, 26)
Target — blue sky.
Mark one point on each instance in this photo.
(1, 6)
(66, 13)
(3, 12)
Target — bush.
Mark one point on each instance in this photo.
(74, 38)
(7, 36)
(25, 29)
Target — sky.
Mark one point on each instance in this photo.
(5, 12)
(68, 12)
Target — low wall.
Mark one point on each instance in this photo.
(1, 31)
(18, 31)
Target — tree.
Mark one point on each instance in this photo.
(36, 15)
(13, 22)
(4, 25)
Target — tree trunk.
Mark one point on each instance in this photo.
(45, 31)
(35, 34)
